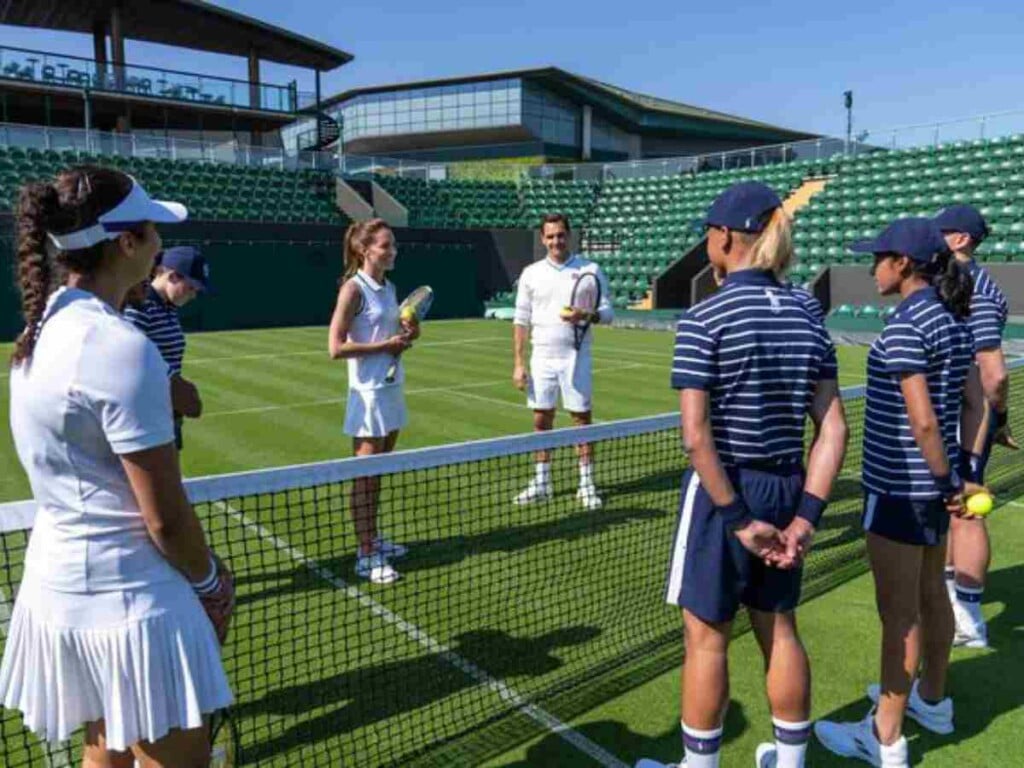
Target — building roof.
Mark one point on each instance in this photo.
(630, 105)
(183, 23)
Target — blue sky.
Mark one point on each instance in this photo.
(785, 63)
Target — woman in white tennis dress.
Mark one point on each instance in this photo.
(366, 330)
(108, 630)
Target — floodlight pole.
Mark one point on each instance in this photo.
(848, 101)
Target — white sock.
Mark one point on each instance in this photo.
(970, 600)
(701, 747)
(791, 742)
(586, 475)
(543, 473)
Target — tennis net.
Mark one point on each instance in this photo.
(508, 621)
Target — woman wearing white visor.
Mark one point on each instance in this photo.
(121, 606)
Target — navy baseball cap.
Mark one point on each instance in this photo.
(916, 238)
(963, 218)
(743, 207)
(188, 262)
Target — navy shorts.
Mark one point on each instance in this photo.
(921, 522)
(972, 465)
(710, 573)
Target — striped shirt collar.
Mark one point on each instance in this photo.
(370, 282)
(924, 295)
(568, 262)
(152, 295)
(751, 277)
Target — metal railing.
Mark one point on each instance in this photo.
(140, 144)
(60, 70)
(901, 137)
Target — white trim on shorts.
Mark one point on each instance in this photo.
(674, 587)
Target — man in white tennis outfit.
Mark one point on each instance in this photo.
(545, 288)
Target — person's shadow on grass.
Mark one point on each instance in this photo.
(983, 684)
(373, 695)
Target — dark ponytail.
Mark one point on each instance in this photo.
(74, 200)
(37, 206)
(955, 286)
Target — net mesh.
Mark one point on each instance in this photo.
(503, 613)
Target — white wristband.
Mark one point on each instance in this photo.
(209, 584)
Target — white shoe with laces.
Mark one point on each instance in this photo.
(376, 569)
(587, 496)
(858, 740)
(969, 633)
(535, 491)
(937, 718)
(766, 755)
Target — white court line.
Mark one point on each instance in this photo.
(505, 692)
(421, 391)
(323, 352)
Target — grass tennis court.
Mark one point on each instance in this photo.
(273, 398)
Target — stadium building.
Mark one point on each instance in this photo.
(107, 92)
(544, 113)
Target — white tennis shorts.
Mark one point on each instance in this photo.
(375, 412)
(569, 376)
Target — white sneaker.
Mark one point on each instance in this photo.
(587, 496)
(858, 740)
(766, 755)
(969, 633)
(535, 491)
(937, 718)
(646, 762)
(390, 549)
(376, 569)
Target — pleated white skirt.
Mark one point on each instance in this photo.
(143, 660)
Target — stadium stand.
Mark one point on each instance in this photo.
(212, 191)
(870, 191)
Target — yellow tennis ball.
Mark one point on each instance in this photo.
(408, 314)
(980, 504)
(566, 312)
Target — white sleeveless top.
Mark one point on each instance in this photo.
(376, 320)
(94, 388)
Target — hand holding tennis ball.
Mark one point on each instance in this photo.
(979, 504)
(566, 313)
(408, 315)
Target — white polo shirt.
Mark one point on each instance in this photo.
(94, 388)
(544, 289)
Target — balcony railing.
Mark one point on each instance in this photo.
(55, 69)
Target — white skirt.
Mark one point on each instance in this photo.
(143, 660)
(375, 412)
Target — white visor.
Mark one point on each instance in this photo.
(136, 208)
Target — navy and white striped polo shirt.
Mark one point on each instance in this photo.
(922, 336)
(811, 304)
(759, 353)
(988, 309)
(158, 319)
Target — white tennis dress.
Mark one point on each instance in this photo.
(556, 367)
(103, 626)
(375, 407)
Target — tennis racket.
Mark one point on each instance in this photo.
(224, 741)
(586, 295)
(415, 307)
